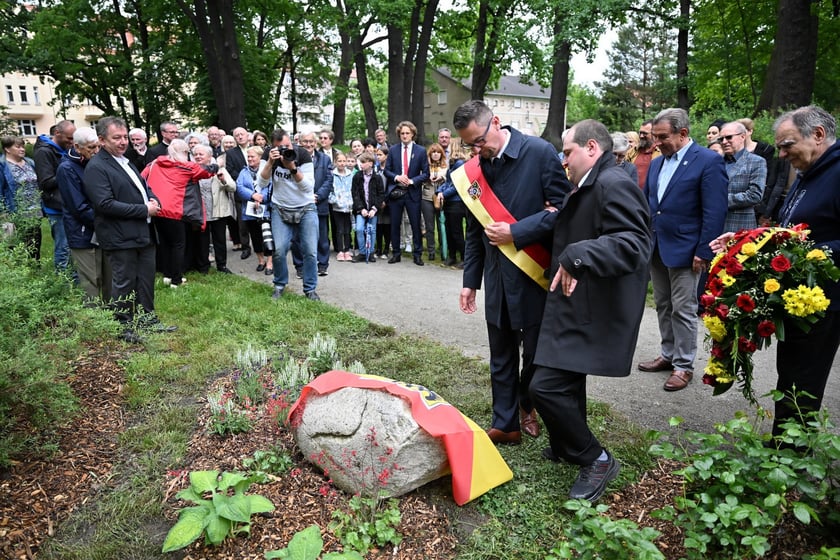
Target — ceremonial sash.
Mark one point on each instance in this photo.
(474, 461)
(483, 203)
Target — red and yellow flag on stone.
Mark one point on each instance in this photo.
(474, 461)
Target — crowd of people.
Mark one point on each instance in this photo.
(563, 244)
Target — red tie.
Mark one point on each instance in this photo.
(405, 160)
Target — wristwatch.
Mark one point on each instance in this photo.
(293, 171)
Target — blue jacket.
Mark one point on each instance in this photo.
(418, 169)
(8, 187)
(693, 208)
(323, 181)
(78, 210)
(814, 199)
(450, 193)
(246, 186)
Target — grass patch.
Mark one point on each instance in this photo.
(217, 317)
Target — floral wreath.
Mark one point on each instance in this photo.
(765, 277)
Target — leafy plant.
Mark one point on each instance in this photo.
(739, 484)
(273, 461)
(323, 354)
(228, 511)
(367, 523)
(592, 535)
(225, 416)
(307, 545)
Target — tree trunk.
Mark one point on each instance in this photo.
(421, 58)
(683, 100)
(398, 93)
(555, 124)
(215, 23)
(791, 72)
(365, 98)
(342, 87)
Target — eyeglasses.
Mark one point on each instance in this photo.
(170, 131)
(728, 137)
(481, 140)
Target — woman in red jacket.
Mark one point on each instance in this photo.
(174, 180)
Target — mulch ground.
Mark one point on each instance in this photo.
(37, 495)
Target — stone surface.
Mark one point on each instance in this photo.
(367, 442)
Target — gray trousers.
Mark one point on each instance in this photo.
(94, 273)
(675, 294)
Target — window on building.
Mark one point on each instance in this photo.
(10, 95)
(24, 97)
(36, 97)
(517, 103)
(26, 127)
(442, 97)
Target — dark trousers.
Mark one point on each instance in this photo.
(197, 251)
(412, 207)
(341, 230)
(218, 229)
(560, 398)
(510, 386)
(132, 281)
(804, 360)
(241, 230)
(455, 213)
(173, 240)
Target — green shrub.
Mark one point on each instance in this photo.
(591, 535)
(228, 511)
(739, 483)
(43, 324)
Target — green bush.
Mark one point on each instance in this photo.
(43, 324)
(739, 483)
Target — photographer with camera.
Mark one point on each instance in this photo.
(292, 176)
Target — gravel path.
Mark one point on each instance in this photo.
(424, 301)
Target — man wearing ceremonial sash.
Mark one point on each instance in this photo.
(506, 190)
(593, 312)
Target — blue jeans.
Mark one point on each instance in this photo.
(360, 233)
(307, 231)
(61, 256)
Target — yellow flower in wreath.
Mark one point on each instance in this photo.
(816, 255)
(715, 326)
(716, 370)
(726, 279)
(804, 301)
(749, 249)
(771, 285)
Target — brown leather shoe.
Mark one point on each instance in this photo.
(679, 380)
(528, 422)
(505, 438)
(659, 364)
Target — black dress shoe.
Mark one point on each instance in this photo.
(260, 267)
(418, 261)
(395, 258)
(449, 262)
(246, 252)
(269, 272)
(431, 257)
(593, 479)
(224, 270)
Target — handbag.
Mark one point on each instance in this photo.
(292, 215)
(397, 192)
(437, 201)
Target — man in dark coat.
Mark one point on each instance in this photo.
(525, 174)
(599, 263)
(123, 207)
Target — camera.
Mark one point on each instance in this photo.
(288, 154)
(267, 238)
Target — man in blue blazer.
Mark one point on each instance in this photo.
(406, 168)
(687, 193)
